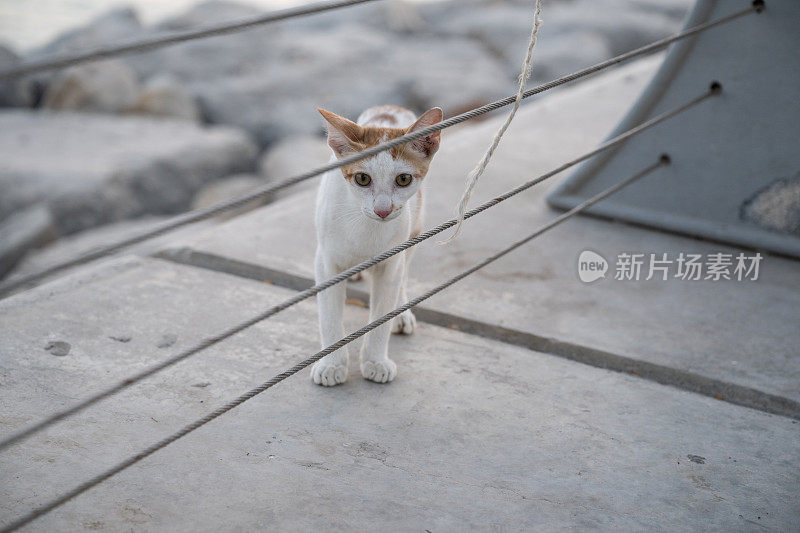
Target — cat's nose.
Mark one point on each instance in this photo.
(383, 213)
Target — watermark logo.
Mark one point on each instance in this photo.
(683, 266)
(591, 266)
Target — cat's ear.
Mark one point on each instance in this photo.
(342, 133)
(427, 145)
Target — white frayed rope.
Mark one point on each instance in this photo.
(475, 174)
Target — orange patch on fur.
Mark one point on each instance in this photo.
(370, 136)
(362, 137)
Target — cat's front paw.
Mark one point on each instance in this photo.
(405, 323)
(382, 371)
(328, 374)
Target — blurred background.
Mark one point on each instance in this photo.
(95, 152)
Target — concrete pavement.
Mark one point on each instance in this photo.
(473, 434)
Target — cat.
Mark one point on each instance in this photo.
(363, 209)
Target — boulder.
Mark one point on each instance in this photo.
(459, 75)
(165, 96)
(566, 53)
(16, 92)
(115, 26)
(108, 86)
(573, 34)
(674, 9)
(623, 28)
(270, 80)
(503, 28)
(209, 58)
(209, 13)
(230, 188)
(346, 70)
(93, 169)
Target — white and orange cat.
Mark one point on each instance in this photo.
(363, 209)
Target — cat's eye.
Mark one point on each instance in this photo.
(403, 180)
(362, 179)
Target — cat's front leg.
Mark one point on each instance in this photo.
(331, 369)
(385, 287)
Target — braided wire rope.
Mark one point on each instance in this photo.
(83, 487)
(195, 216)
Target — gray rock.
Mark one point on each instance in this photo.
(278, 97)
(116, 25)
(165, 96)
(14, 93)
(209, 13)
(566, 53)
(226, 55)
(356, 68)
(503, 28)
(674, 9)
(461, 75)
(108, 86)
(270, 80)
(399, 16)
(94, 169)
(29, 228)
(623, 28)
(573, 34)
(291, 156)
(227, 189)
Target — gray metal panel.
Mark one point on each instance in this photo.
(724, 151)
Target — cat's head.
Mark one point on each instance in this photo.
(386, 181)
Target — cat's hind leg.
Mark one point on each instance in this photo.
(405, 323)
(361, 276)
(332, 369)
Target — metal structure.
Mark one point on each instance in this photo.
(727, 153)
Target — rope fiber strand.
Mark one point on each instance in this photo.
(477, 172)
(195, 216)
(83, 487)
(319, 287)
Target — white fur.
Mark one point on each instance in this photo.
(348, 232)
